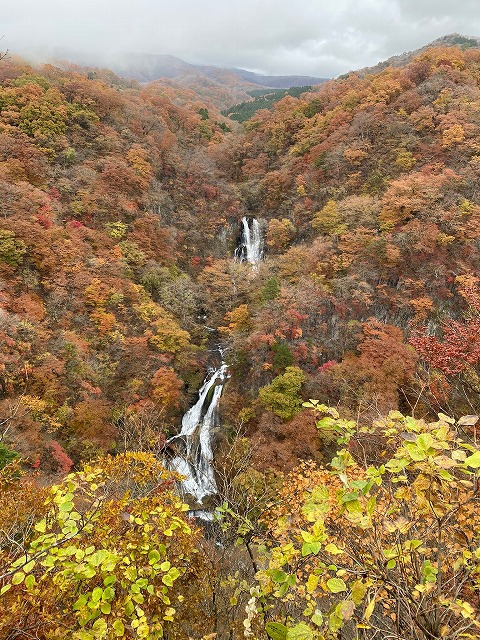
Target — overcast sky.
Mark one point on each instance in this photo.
(316, 37)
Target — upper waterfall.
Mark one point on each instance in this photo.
(250, 246)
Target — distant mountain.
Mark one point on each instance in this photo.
(221, 86)
(149, 67)
(278, 82)
(450, 40)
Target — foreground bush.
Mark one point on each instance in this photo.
(391, 549)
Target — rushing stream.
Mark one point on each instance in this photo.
(192, 446)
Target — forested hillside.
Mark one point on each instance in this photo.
(121, 209)
(262, 99)
(368, 190)
(110, 206)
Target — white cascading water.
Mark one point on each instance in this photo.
(250, 248)
(196, 432)
(195, 436)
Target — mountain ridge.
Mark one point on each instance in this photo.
(151, 67)
(402, 59)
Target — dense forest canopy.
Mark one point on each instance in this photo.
(121, 208)
(262, 99)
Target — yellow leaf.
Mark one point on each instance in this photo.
(369, 609)
(312, 583)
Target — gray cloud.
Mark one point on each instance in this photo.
(316, 37)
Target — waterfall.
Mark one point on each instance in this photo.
(193, 444)
(196, 438)
(250, 246)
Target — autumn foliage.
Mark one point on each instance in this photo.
(121, 208)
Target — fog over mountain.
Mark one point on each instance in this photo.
(277, 37)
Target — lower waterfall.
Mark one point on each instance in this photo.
(195, 438)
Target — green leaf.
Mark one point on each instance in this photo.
(65, 507)
(97, 594)
(97, 558)
(413, 544)
(308, 537)
(317, 618)
(310, 548)
(325, 423)
(336, 585)
(473, 461)
(333, 549)
(174, 573)
(108, 594)
(29, 566)
(80, 602)
(118, 628)
(18, 577)
(143, 630)
(316, 504)
(278, 575)
(105, 608)
(30, 581)
(84, 635)
(358, 591)
(276, 631)
(41, 526)
(100, 627)
(89, 572)
(445, 475)
(425, 442)
(415, 453)
(352, 496)
(335, 620)
(153, 557)
(300, 632)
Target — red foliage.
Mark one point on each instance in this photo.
(459, 346)
(327, 365)
(61, 458)
(44, 221)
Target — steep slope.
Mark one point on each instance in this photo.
(368, 190)
(450, 40)
(109, 199)
(121, 209)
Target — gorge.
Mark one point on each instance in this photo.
(195, 437)
(297, 297)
